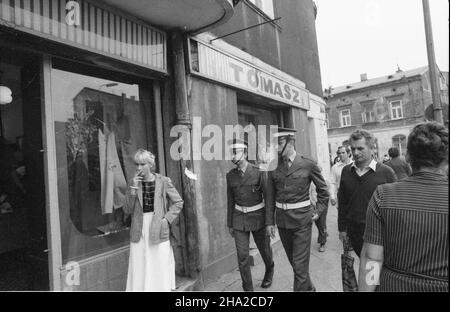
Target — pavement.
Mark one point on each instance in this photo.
(324, 267)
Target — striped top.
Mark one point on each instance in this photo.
(148, 194)
(410, 220)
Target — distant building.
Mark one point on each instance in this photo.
(388, 106)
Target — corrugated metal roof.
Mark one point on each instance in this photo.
(379, 80)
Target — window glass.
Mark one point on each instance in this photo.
(265, 5)
(396, 110)
(345, 118)
(99, 125)
(253, 119)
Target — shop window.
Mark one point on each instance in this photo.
(266, 6)
(100, 122)
(368, 116)
(399, 141)
(345, 118)
(396, 109)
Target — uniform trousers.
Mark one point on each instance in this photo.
(297, 245)
(242, 240)
(321, 224)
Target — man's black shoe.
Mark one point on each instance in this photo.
(267, 281)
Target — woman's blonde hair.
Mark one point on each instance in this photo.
(144, 156)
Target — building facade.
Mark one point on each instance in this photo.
(388, 106)
(92, 82)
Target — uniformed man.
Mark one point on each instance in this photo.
(246, 189)
(290, 206)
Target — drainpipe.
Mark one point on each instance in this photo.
(191, 252)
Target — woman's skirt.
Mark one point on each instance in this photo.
(151, 266)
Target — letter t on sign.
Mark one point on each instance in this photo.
(237, 70)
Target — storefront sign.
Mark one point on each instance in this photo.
(214, 64)
(90, 27)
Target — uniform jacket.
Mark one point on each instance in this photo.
(247, 190)
(292, 186)
(167, 204)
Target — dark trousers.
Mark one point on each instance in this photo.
(355, 233)
(321, 225)
(242, 240)
(297, 245)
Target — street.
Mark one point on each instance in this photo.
(325, 267)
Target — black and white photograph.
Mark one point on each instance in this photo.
(224, 151)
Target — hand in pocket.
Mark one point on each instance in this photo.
(165, 229)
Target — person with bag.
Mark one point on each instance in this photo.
(359, 180)
(349, 282)
(151, 263)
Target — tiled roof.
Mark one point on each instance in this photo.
(380, 80)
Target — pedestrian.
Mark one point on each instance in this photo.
(151, 263)
(402, 168)
(385, 158)
(246, 189)
(406, 237)
(290, 206)
(344, 155)
(358, 182)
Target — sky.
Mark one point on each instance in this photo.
(373, 36)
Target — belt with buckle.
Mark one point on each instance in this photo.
(286, 206)
(245, 209)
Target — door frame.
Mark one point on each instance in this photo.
(50, 176)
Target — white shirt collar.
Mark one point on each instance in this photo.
(292, 157)
(245, 167)
(372, 165)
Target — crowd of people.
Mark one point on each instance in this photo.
(393, 214)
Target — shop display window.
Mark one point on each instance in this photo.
(100, 122)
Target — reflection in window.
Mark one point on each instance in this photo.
(99, 125)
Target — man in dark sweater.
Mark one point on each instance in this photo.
(358, 182)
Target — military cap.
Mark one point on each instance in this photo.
(285, 132)
(238, 144)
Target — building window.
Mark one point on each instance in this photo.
(368, 116)
(345, 118)
(266, 6)
(399, 141)
(396, 110)
(327, 120)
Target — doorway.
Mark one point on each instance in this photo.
(23, 226)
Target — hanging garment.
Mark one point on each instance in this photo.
(113, 183)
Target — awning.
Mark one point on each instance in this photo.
(192, 16)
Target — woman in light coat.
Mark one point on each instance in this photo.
(154, 204)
